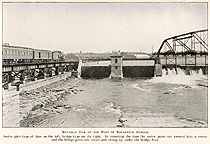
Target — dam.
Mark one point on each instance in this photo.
(164, 89)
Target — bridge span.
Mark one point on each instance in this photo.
(17, 73)
(188, 51)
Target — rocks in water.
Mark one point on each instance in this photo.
(46, 109)
(186, 86)
(201, 122)
(58, 90)
(38, 106)
(59, 106)
(67, 107)
(121, 125)
(59, 112)
(68, 78)
(205, 85)
(119, 84)
(189, 119)
(169, 92)
(122, 121)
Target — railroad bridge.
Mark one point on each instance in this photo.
(187, 51)
(17, 73)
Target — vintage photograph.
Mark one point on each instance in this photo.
(104, 65)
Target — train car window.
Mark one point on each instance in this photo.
(48, 55)
(39, 55)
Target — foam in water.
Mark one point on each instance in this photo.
(109, 107)
(137, 87)
(178, 77)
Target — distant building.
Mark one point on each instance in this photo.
(142, 55)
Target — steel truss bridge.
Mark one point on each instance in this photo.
(185, 50)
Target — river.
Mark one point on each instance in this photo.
(173, 100)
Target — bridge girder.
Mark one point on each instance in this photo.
(195, 41)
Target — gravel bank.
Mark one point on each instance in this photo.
(44, 102)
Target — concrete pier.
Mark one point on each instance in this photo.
(116, 66)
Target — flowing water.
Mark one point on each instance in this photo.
(173, 100)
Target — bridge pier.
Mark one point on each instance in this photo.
(22, 76)
(62, 69)
(116, 66)
(158, 67)
(56, 70)
(34, 75)
(68, 68)
(50, 73)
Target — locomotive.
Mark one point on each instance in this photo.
(17, 54)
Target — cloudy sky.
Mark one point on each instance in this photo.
(99, 27)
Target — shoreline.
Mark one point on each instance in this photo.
(45, 101)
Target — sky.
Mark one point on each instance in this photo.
(99, 27)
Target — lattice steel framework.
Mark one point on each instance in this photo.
(196, 41)
(185, 50)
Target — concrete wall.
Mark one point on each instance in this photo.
(138, 71)
(10, 108)
(95, 71)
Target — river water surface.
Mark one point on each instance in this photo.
(173, 100)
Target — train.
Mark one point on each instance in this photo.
(17, 54)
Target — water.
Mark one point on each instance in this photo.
(173, 100)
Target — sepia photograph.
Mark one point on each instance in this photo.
(104, 65)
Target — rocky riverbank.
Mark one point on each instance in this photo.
(46, 101)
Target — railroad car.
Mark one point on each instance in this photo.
(58, 55)
(13, 54)
(43, 55)
(17, 54)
